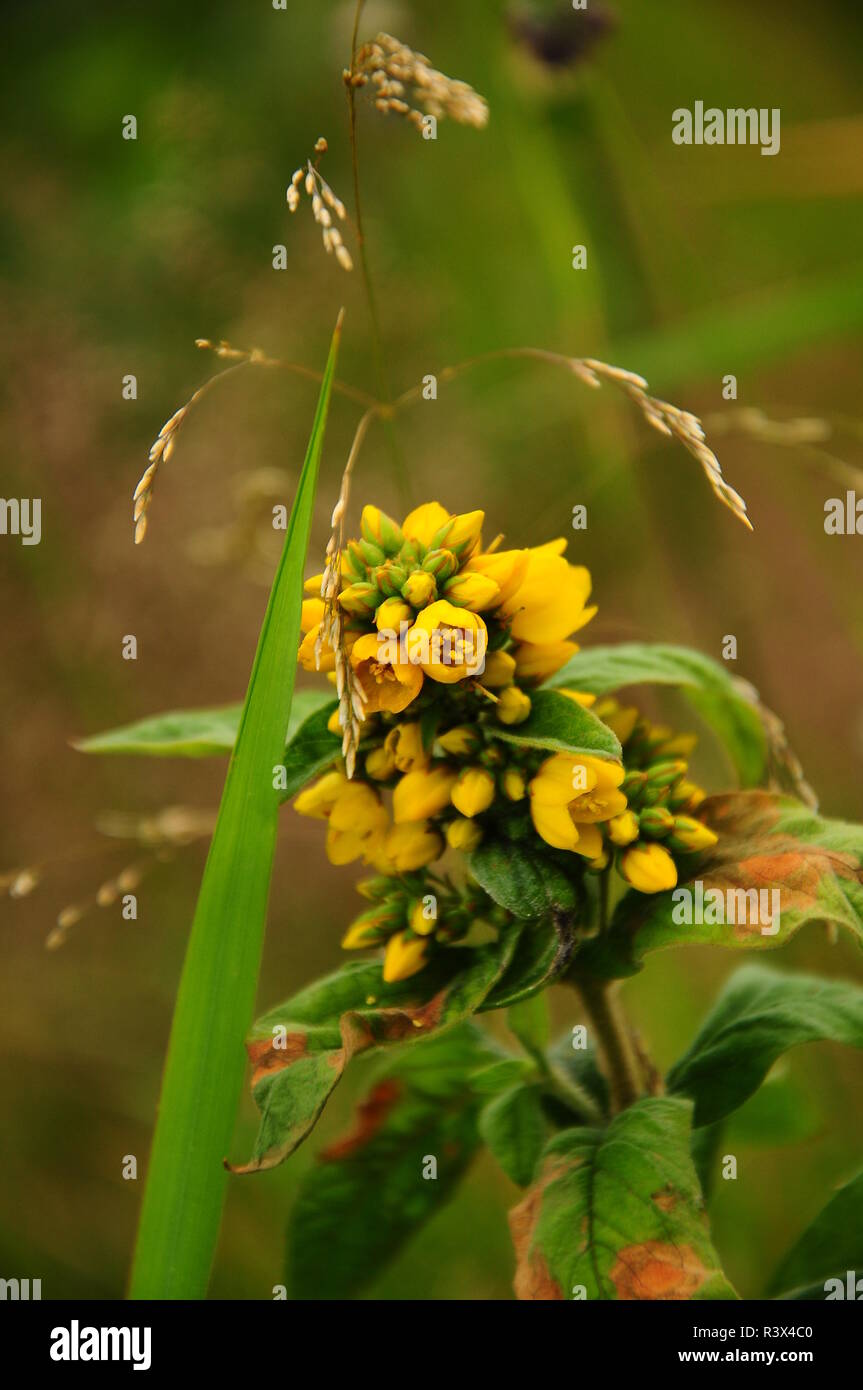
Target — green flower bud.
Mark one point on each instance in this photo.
(656, 822)
(440, 563)
(371, 553)
(390, 578)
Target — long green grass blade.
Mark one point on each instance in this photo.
(204, 1070)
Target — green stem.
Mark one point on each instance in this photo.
(609, 1024)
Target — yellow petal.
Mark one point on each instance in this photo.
(423, 522)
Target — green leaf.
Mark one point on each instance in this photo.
(203, 1076)
(766, 843)
(515, 1130)
(722, 700)
(299, 1051)
(760, 1014)
(618, 1213)
(543, 952)
(499, 1076)
(312, 749)
(529, 1021)
(827, 1249)
(526, 882)
(193, 733)
(367, 1193)
(779, 1114)
(562, 726)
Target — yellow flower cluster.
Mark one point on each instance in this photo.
(448, 640)
(424, 601)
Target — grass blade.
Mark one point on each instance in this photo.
(185, 1191)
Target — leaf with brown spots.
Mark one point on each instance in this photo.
(300, 1050)
(372, 1190)
(772, 850)
(619, 1214)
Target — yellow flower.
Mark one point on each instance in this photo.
(513, 706)
(380, 763)
(463, 834)
(422, 793)
(499, 670)
(464, 534)
(689, 834)
(392, 613)
(514, 786)
(473, 591)
(449, 643)
(311, 614)
(623, 829)
(319, 799)
(388, 683)
(569, 795)
(405, 742)
(405, 955)
(408, 847)
(550, 602)
(381, 530)
(306, 653)
(649, 868)
(420, 921)
(461, 741)
(420, 588)
(473, 793)
(506, 567)
(357, 824)
(423, 523)
(536, 661)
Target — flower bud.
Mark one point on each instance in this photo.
(420, 589)
(461, 534)
(381, 530)
(689, 834)
(513, 706)
(499, 670)
(633, 785)
(371, 553)
(686, 796)
(440, 563)
(656, 822)
(473, 792)
(473, 591)
(649, 868)
(389, 578)
(623, 829)
(353, 562)
(536, 661)
(380, 764)
(392, 613)
(375, 889)
(405, 743)
(405, 955)
(514, 785)
(311, 613)
(313, 585)
(463, 834)
(319, 799)
(422, 922)
(409, 847)
(461, 741)
(334, 723)
(422, 793)
(374, 925)
(360, 599)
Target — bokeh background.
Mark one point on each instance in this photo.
(116, 255)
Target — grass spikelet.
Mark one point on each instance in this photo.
(308, 179)
(405, 84)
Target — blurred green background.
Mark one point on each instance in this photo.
(116, 255)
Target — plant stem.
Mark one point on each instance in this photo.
(377, 336)
(609, 1023)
